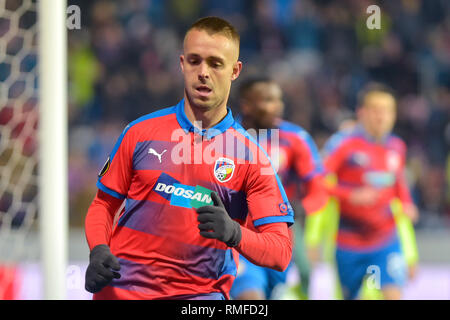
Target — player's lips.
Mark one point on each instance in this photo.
(203, 91)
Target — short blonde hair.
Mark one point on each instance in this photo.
(371, 88)
(214, 25)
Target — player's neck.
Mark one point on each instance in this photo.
(375, 136)
(206, 117)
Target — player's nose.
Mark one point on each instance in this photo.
(203, 71)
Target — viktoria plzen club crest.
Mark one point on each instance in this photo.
(224, 169)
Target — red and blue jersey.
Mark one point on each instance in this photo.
(298, 164)
(357, 161)
(164, 167)
(297, 161)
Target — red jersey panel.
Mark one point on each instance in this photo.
(298, 164)
(164, 168)
(359, 161)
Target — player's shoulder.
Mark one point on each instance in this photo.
(340, 139)
(236, 126)
(150, 117)
(155, 115)
(394, 138)
(254, 147)
(286, 126)
(298, 135)
(396, 142)
(296, 132)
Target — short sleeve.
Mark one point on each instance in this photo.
(266, 199)
(115, 176)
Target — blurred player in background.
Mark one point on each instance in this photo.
(180, 232)
(368, 165)
(323, 234)
(300, 170)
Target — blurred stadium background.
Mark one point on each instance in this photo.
(123, 63)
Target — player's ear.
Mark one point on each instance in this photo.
(182, 63)
(237, 68)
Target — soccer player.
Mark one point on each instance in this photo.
(295, 155)
(368, 163)
(190, 176)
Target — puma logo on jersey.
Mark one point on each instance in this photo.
(153, 151)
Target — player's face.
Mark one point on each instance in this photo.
(265, 105)
(209, 65)
(378, 114)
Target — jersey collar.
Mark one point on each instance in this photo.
(187, 125)
(360, 130)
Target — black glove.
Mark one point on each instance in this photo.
(101, 269)
(215, 223)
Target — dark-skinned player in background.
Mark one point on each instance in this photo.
(296, 157)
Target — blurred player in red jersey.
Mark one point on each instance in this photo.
(368, 162)
(181, 230)
(296, 157)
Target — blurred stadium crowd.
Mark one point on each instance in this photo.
(123, 63)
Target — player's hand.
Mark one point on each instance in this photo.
(103, 267)
(364, 196)
(411, 211)
(215, 223)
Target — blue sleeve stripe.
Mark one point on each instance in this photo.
(109, 191)
(334, 142)
(273, 219)
(118, 143)
(313, 149)
(306, 137)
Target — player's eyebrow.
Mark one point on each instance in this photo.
(193, 56)
(216, 59)
(209, 59)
